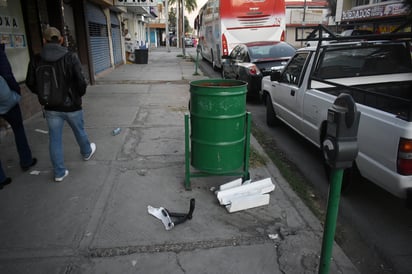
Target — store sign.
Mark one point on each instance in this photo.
(8, 22)
(136, 3)
(375, 11)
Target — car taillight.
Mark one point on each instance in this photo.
(404, 163)
(253, 70)
(224, 45)
(282, 36)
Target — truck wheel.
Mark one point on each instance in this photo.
(271, 119)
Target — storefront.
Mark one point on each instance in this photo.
(13, 36)
(379, 18)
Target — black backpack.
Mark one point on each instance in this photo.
(53, 88)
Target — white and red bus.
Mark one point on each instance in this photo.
(222, 24)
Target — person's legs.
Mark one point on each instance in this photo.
(55, 122)
(14, 118)
(76, 122)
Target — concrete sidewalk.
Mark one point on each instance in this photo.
(96, 220)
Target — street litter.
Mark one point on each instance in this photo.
(41, 131)
(236, 196)
(116, 131)
(171, 219)
(273, 236)
(34, 172)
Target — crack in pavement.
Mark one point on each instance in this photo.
(176, 247)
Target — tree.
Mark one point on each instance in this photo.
(172, 21)
(188, 28)
(189, 5)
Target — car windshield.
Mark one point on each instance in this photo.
(364, 61)
(271, 51)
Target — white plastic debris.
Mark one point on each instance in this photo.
(236, 196)
(161, 214)
(273, 236)
(231, 184)
(42, 131)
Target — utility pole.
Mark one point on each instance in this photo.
(183, 29)
(167, 27)
(303, 21)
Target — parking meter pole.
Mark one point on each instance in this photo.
(331, 218)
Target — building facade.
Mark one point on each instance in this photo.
(94, 29)
(305, 13)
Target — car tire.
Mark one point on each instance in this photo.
(409, 198)
(271, 118)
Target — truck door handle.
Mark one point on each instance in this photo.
(292, 92)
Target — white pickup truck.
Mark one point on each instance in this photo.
(378, 75)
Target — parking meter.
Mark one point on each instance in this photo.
(340, 146)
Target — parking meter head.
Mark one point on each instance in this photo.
(340, 146)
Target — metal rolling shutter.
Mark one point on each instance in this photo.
(99, 39)
(116, 39)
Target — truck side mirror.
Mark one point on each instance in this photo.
(275, 75)
(340, 146)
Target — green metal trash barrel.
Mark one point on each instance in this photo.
(218, 125)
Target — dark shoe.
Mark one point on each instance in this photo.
(5, 182)
(33, 163)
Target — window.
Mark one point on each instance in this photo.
(294, 70)
(361, 2)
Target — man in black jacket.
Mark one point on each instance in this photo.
(53, 51)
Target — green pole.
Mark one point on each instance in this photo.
(330, 222)
(246, 175)
(197, 62)
(187, 165)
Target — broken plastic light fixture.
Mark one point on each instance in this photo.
(170, 219)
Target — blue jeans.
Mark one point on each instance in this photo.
(14, 118)
(55, 122)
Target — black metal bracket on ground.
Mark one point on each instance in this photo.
(170, 219)
(178, 218)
